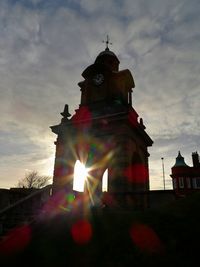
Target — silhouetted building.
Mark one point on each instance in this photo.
(21, 205)
(186, 179)
(106, 136)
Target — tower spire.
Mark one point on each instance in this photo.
(107, 42)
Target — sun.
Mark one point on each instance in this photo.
(80, 176)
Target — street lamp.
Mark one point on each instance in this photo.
(163, 172)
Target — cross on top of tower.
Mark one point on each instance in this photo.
(107, 42)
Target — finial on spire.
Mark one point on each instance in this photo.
(107, 42)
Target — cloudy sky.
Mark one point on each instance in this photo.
(46, 44)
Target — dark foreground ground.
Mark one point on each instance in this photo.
(169, 236)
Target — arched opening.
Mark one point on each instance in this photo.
(105, 181)
(80, 175)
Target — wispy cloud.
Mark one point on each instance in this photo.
(45, 46)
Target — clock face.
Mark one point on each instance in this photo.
(98, 79)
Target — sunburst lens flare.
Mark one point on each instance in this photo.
(80, 175)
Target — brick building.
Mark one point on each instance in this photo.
(186, 179)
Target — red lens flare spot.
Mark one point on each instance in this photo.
(132, 116)
(136, 173)
(145, 238)
(83, 115)
(16, 240)
(81, 232)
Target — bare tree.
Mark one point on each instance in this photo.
(33, 180)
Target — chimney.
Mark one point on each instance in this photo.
(195, 159)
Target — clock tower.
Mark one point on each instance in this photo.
(107, 137)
